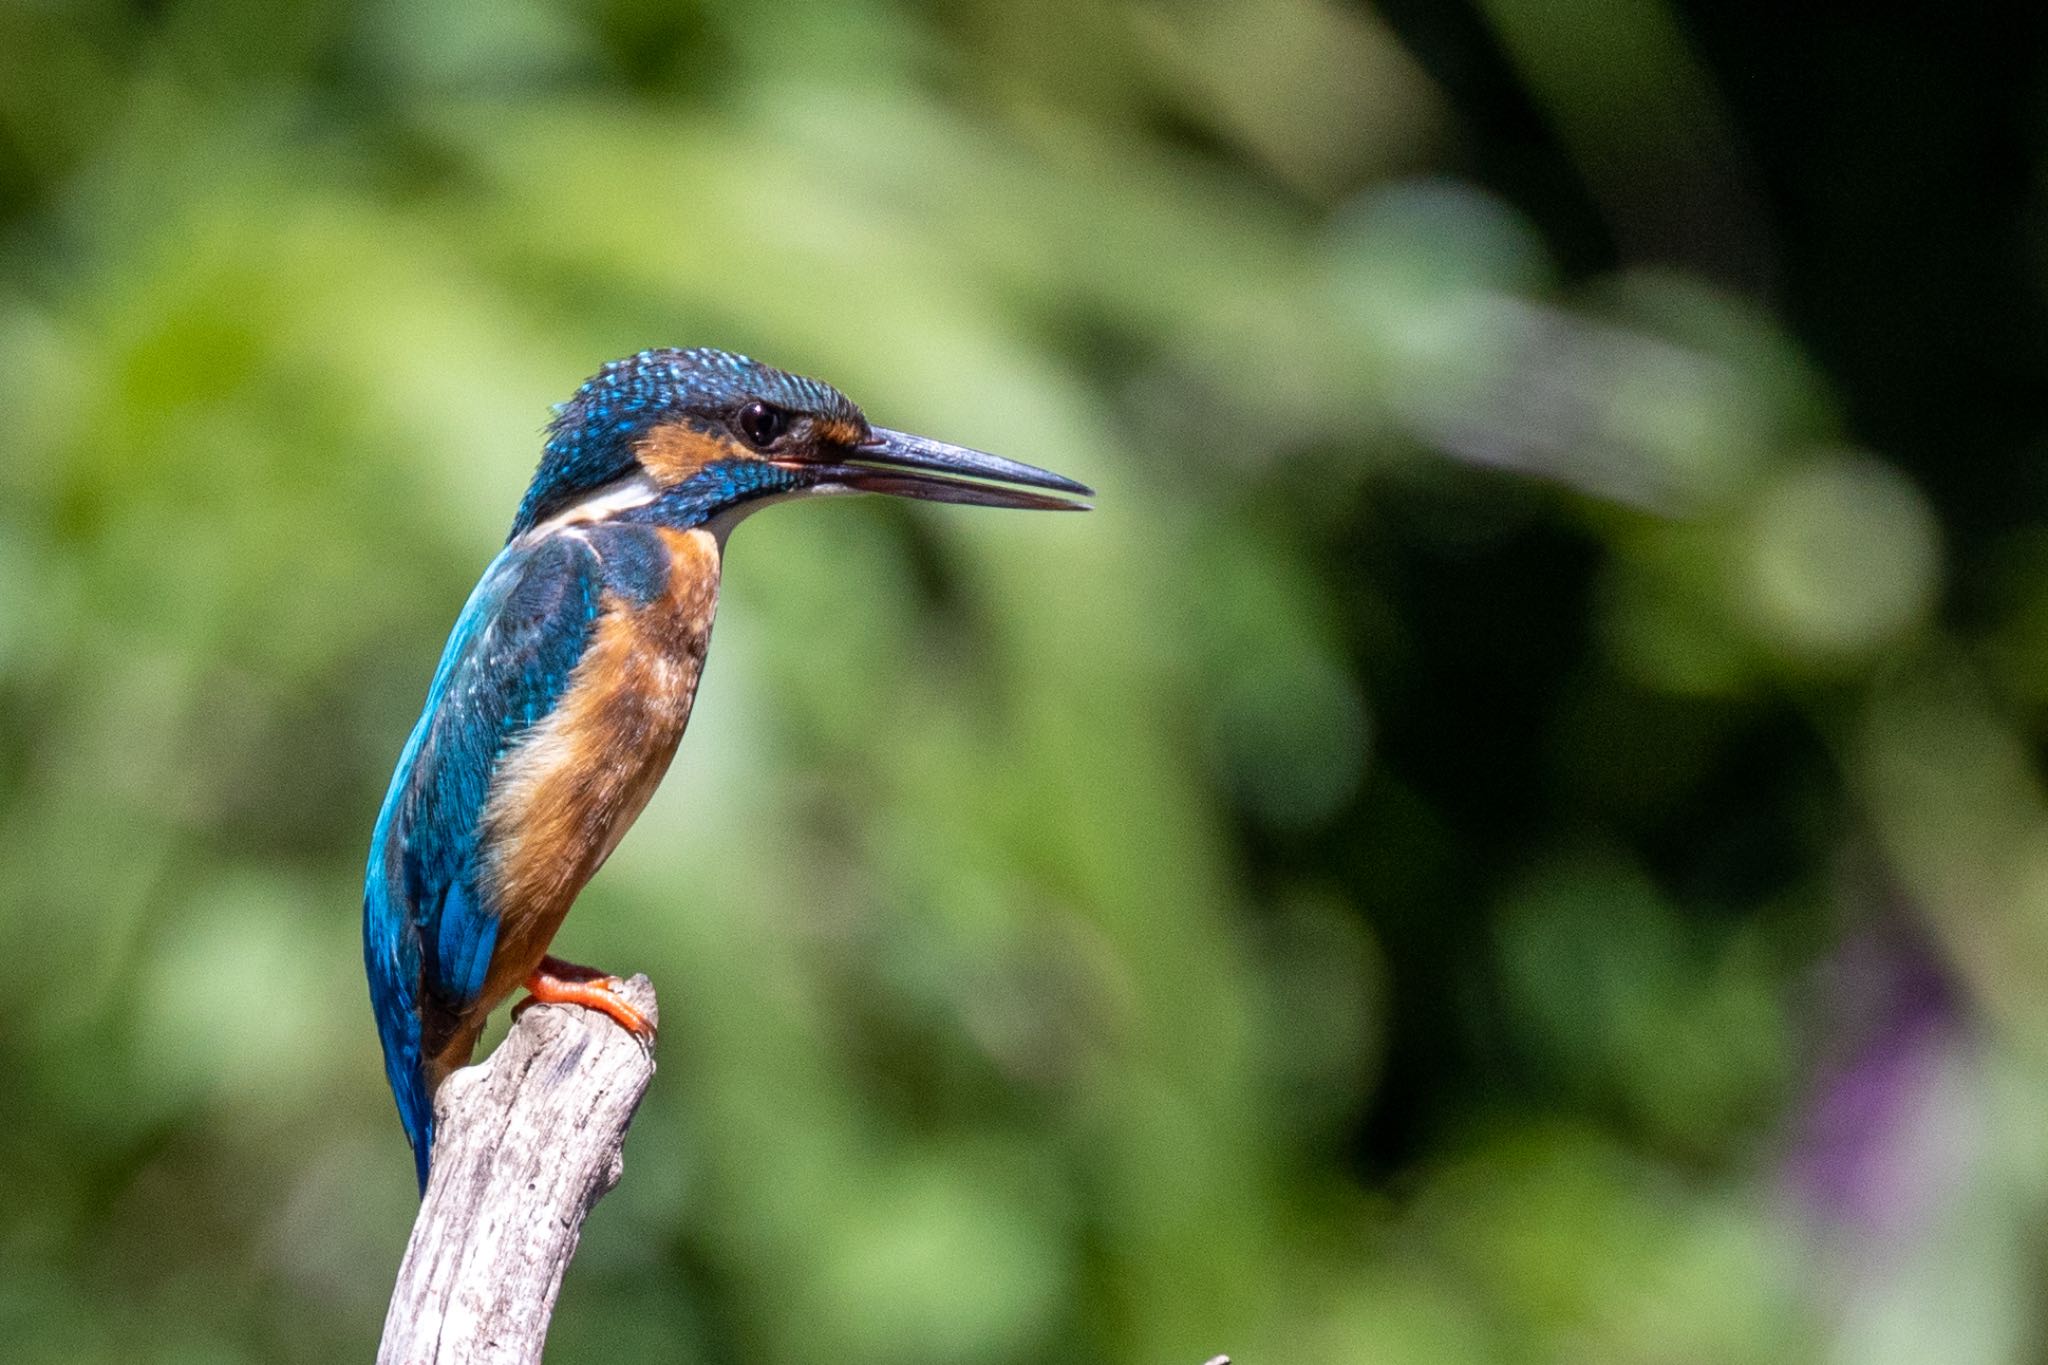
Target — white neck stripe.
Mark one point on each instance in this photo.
(635, 490)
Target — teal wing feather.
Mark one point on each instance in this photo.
(428, 926)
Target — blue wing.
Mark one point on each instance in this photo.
(427, 931)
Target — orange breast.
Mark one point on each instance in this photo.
(567, 794)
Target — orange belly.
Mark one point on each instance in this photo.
(565, 796)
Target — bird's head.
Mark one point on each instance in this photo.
(697, 435)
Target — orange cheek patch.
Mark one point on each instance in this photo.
(675, 451)
(841, 433)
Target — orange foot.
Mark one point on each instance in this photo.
(555, 982)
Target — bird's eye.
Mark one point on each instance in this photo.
(761, 424)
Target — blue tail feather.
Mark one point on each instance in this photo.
(391, 954)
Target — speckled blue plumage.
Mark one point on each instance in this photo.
(590, 442)
(719, 485)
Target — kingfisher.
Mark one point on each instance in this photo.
(567, 680)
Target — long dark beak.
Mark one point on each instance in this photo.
(913, 467)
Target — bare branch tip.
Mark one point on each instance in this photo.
(528, 1141)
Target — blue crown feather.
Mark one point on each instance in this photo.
(591, 438)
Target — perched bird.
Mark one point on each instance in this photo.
(568, 677)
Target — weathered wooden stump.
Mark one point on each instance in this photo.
(527, 1143)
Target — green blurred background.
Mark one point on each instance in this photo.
(1515, 833)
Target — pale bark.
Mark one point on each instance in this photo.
(527, 1143)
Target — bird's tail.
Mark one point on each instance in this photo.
(415, 1110)
(391, 953)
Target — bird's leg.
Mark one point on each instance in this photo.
(555, 982)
